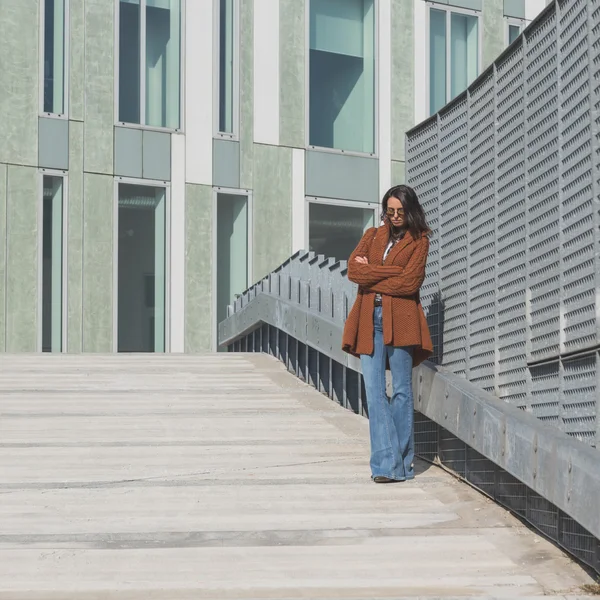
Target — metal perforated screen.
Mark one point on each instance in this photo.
(508, 174)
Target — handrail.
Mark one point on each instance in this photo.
(305, 302)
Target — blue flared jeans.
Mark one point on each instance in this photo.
(391, 420)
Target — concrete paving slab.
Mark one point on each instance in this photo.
(222, 476)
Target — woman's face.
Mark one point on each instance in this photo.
(395, 212)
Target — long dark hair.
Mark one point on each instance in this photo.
(414, 216)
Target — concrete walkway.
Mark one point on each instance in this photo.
(222, 476)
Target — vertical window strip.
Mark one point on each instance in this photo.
(54, 49)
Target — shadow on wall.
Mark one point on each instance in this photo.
(435, 321)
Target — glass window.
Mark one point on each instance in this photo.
(54, 57)
(52, 263)
(335, 230)
(232, 250)
(129, 61)
(141, 291)
(464, 52)
(342, 75)
(453, 55)
(226, 65)
(437, 59)
(150, 62)
(513, 30)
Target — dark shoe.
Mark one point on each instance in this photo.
(382, 479)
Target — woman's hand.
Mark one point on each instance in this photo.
(363, 260)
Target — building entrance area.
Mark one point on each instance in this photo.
(141, 262)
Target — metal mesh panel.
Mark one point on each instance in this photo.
(453, 136)
(578, 265)
(481, 248)
(579, 397)
(426, 437)
(542, 156)
(422, 169)
(512, 285)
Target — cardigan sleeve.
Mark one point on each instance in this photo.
(410, 281)
(367, 275)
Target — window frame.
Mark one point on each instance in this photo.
(235, 134)
(449, 10)
(308, 146)
(374, 206)
(514, 21)
(66, 62)
(64, 175)
(142, 98)
(166, 185)
(249, 195)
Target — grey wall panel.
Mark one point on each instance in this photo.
(98, 205)
(472, 4)
(198, 268)
(128, 152)
(156, 155)
(403, 74)
(77, 61)
(226, 163)
(292, 62)
(514, 8)
(531, 181)
(332, 175)
(53, 140)
(99, 86)
(3, 182)
(22, 264)
(20, 81)
(75, 240)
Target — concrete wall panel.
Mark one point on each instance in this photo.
(272, 208)
(199, 321)
(494, 41)
(403, 73)
(22, 259)
(75, 239)
(398, 173)
(77, 61)
(20, 86)
(292, 64)
(99, 86)
(3, 181)
(98, 202)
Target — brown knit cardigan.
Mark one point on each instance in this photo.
(398, 281)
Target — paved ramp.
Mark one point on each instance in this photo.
(222, 476)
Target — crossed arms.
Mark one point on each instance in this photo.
(389, 280)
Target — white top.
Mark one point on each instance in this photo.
(387, 250)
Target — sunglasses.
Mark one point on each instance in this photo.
(392, 211)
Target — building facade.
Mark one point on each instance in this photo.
(158, 156)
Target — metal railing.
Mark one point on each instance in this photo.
(509, 175)
(546, 477)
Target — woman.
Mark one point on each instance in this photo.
(387, 327)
